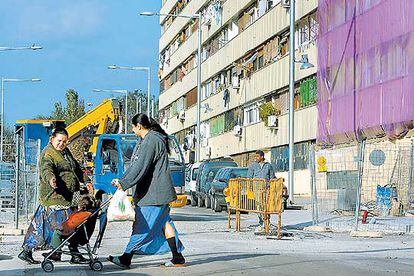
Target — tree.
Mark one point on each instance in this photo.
(74, 109)
(58, 113)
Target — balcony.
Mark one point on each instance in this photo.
(259, 136)
(230, 9)
(179, 22)
(277, 19)
(270, 78)
(167, 6)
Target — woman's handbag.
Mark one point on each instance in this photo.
(120, 208)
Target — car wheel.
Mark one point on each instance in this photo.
(207, 201)
(193, 200)
(200, 202)
(216, 207)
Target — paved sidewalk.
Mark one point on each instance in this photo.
(212, 250)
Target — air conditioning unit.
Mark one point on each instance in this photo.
(190, 141)
(235, 82)
(208, 23)
(273, 121)
(285, 3)
(181, 116)
(237, 131)
(208, 151)
(165, 122)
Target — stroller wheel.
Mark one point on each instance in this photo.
(47, 266)
(96, 265)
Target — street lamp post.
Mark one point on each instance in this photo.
(3, 80)
(153, 106)
(126, 101)
(305, 65)
(33, 47)
(137, 68)
(291, 97)
(199, 17)
(138, 100)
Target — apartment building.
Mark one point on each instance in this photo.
(245, 74)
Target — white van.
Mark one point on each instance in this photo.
(190, 183)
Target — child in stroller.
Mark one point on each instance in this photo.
(75, 231)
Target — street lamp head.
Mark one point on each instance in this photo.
(112, 67)
(305, 62)
(96, 90)
(35, 80)
(148, 13)
(36, 47)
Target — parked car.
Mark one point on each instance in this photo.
(206, 173)
(190, 183)
(220, 182)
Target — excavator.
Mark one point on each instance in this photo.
(98, 142)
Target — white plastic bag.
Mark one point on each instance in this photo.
(120, 208)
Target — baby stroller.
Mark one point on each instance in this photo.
(82, 233)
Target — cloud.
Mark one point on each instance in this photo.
(58, 19)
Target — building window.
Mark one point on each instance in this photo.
(251, 115)
(280, 157)
(206, 90)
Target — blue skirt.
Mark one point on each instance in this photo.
(148, 236)
(44, 223)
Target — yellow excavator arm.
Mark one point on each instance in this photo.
(105, 118)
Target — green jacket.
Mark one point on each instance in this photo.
(68, 174)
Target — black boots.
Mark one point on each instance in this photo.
(56, 257)
(27, 256)
(178, 258)
(78, 259)
(123, 261)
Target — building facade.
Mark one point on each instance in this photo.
(245, 75)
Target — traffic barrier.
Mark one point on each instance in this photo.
(255, 196)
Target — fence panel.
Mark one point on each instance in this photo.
(19, 177)
(385, 176)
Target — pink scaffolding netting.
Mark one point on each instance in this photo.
(366, 68)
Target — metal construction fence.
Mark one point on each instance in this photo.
(19, 182)
(368, 179)
(256, 196)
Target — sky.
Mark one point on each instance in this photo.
(79, 39)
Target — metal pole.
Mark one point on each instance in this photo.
(136, 104)
(16, 194)
(315, 217)
(291, 99)
(140, 104)
(25, 185)
(361, 149)
(198, 156)
(2, 120)
(152, 107)
(410, 177)
(149, 92)
(126, 112)
(39, 151)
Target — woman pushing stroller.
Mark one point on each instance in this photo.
(60, 177)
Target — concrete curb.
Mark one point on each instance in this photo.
(318, 228)
(11, 232)
(366, 234)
